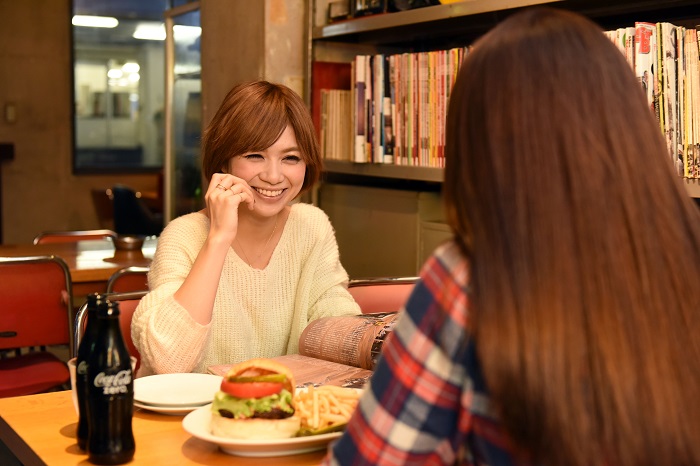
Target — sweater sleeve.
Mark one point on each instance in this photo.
(165, 334)
(329, 292)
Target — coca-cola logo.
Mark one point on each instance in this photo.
(82, 367)
(113, 383)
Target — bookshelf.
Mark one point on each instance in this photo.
(459, 24)
(403, 172)
(428, 29)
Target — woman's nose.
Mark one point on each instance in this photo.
(272, 173)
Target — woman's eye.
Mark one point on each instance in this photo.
(292, 159)
(253, 156)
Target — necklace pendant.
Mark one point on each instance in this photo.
(267, 243)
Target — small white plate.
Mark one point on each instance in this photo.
(197, 424)
(176, 390)
(172, 411)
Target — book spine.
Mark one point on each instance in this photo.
(360, 155)
(644, 58)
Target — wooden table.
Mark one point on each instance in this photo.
(41, 429)
(91, 262)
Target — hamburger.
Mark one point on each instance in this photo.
(255, 401)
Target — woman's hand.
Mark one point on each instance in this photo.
(224, 195)
(198, 292)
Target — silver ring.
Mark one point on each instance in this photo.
(220, 186)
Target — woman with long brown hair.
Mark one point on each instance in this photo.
(561, 326)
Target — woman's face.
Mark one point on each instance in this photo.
(275, 174)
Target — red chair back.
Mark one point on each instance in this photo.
(126, 312)
(128, 279)
(381, 294)
(35, 298)
(72, 236)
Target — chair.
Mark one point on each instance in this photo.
(102, 201)
(35, 299)
(381, 294)
(72, 236)
(131, 214)
(128, 279)
(127, 305)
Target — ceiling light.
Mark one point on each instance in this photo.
(115, 73)
(131, 67)
(95, 21)
(150, 31)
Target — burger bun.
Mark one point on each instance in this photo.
(262, 366)
(258, 429)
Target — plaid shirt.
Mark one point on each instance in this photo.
(427, 403)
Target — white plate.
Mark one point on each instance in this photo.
(172, 411)
(176, 390)
(197, 424)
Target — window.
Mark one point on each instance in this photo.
(119, 85)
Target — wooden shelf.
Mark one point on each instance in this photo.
(692, 186)
(480, 15)
(403, 172)
(419, 16)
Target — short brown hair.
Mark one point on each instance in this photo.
(251, 118)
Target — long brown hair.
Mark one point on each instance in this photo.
(584, 245)
(251, 118)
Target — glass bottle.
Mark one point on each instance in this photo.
(85, 348)
(110, 392)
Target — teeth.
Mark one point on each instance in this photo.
(268, 193)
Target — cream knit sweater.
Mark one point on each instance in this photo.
(257, 313)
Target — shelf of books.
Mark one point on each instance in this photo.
(384, 114)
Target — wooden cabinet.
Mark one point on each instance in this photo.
(368, 202)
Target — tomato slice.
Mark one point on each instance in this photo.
(260, 378)
(251, 389)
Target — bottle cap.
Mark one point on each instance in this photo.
(94, 300)
(108, 308)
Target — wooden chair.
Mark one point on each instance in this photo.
(72, 236)
(128, 279)
(381, 294)
(127, 305)
(102, 201)
(35, 299)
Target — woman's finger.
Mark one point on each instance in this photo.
(245, 195)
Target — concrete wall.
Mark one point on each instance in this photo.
(244, 40)
(39, 190)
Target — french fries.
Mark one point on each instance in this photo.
(325, 407)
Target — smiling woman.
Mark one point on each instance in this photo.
(241, 278)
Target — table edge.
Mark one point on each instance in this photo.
(18, 446)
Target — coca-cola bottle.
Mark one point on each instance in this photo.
(85, 348)
(110, 393)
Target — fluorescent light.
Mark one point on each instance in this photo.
(115, 73)
(131, 67)
(150, 31)
(95, 21)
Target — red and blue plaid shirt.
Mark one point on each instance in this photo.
(427, 403)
